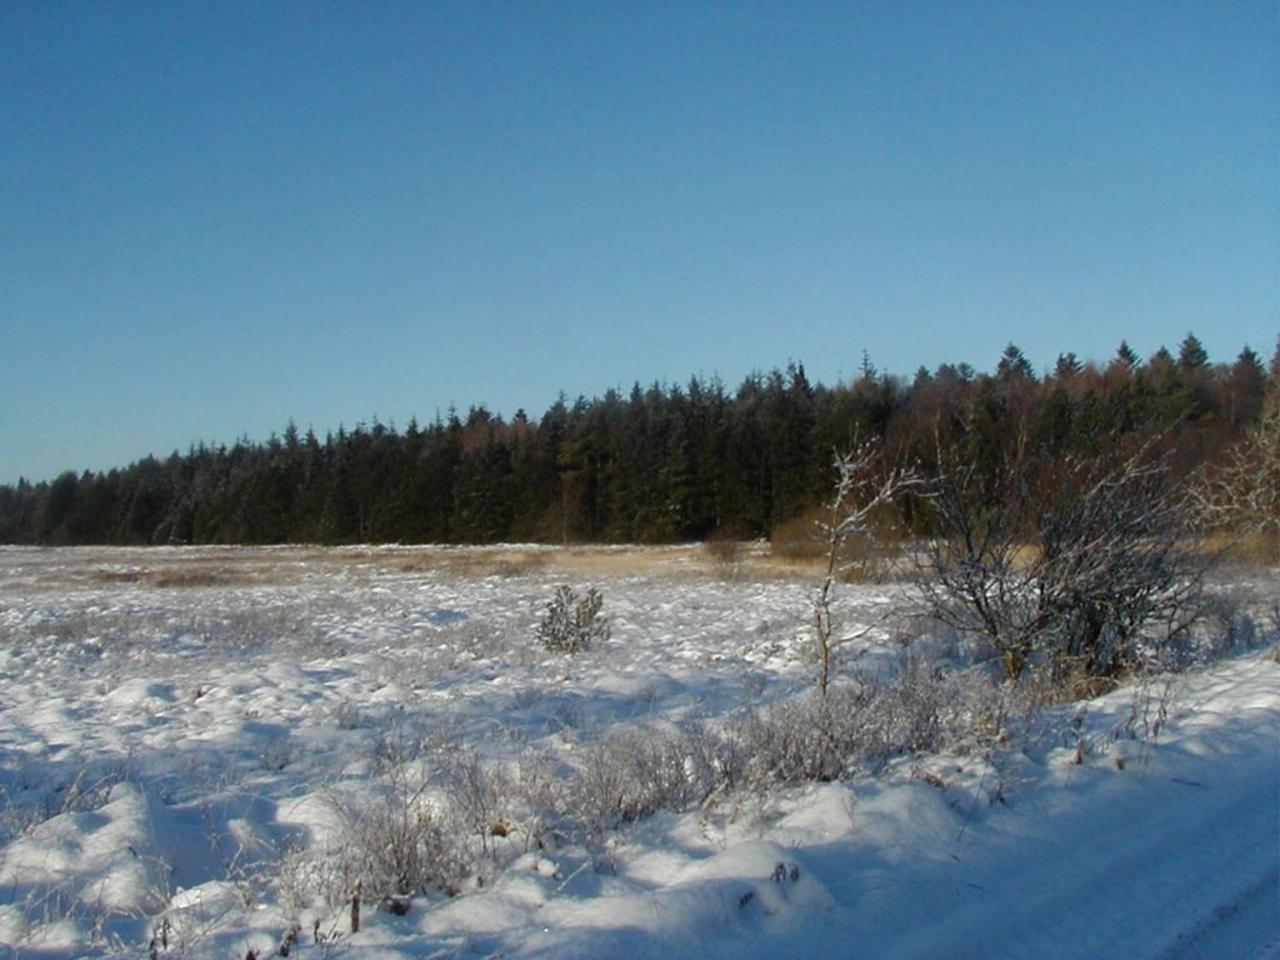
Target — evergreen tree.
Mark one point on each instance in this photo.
(867, 369)
(1068, 366)
(1245, 388)
(1125, 357)
(1014, 365)
(1191, 354)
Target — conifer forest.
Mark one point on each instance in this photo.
(663, 463)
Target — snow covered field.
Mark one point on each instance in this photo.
(202, 750)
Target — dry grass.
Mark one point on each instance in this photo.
(183, 576)
(170, 568)
(202, 578)
(799, 539)
(461, 562)
(624, 562)
(724, 549)
(1259, 548)
(117, 576)
(798, 547)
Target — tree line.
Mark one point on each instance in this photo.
(666, 463)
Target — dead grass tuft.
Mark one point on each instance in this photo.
(469, 563)
(798, 539)
(117, 576)
(1259, 548)
(181, 576)
(799, 545)
(725, 549)
(199, 578)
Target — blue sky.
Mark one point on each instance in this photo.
(217, 217)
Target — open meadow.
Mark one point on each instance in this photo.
(248, 752)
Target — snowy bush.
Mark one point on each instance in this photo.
(478, 798)
(1231, 627)
(347, 715)
(571, 624)
(1073, 569)
(810, 737)
(858, 726)
(398, 842)
(633, 774)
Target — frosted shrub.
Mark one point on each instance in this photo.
(347, 715)
(634, 774)
(478, 797)
(807, 738)
(400, 843)
(1231, 627)
(924, 709)
(858, 727)
(572, 624)
(1079, 568)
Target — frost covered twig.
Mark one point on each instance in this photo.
(861, 491)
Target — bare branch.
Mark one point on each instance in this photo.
(862, 489)
(1067, 562)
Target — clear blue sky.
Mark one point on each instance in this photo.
(218, 216)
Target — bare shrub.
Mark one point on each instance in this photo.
(1230, 625)
(533, 802)
(633, 774)
(915, 707)
(857, 727)
(918, 711)
(1154, 693)
(1241, 491)
(478, 799)
(438, 819)
(572, 624)
(810, 737)
(1069, 564)
(398, 842)
(794, 540)
(724, 548)
(404, 836)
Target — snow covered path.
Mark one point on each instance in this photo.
(1174, 857)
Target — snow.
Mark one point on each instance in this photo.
(173, 749)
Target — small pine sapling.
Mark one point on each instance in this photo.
(571, 624)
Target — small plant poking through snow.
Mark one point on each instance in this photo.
(572, 623)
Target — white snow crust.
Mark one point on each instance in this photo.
(166, 744)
